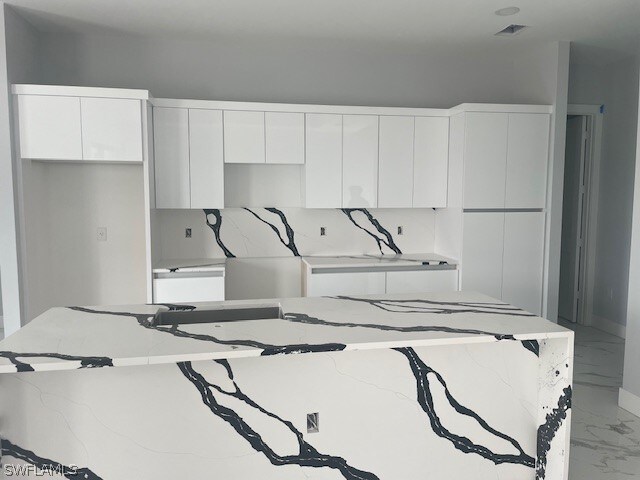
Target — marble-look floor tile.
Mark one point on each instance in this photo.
(605, 439)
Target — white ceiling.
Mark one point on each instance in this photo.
(605, 28)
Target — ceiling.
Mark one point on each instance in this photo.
(603, 28)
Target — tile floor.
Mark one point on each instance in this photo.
(605, 440)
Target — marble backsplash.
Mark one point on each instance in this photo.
(274, 232)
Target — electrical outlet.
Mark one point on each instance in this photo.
(101, 234)
(323, 231)
(312, 422)
(187, 233)
(400, 230)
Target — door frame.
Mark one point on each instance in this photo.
(594, 114)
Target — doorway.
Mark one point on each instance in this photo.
(579, 211)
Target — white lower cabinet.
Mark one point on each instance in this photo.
(348, 283)
(503, 257)
(422, 281)
(186, 288)
(380, 282)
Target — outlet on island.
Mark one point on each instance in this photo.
(101, 234)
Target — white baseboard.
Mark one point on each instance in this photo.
(609, 326)
(629, 402)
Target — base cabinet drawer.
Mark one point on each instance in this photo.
(422, 281)
(187, 289)
(359, 283)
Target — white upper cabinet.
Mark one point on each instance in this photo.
(244, 137)
(360, 161)
(396, 162)
(171, 149)
(483, 243)
(523, 260)
(50, 127)
(430, 162)
(323, 166)
(111, 129)
(206, 158)
(284, 137)
(485, 160)
(527, 159)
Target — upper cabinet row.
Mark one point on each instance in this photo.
(355, 161)
(74, 128)
(350, 161)
(505, 160)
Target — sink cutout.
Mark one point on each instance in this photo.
(217, 315)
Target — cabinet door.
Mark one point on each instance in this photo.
(523, 260)
(171, 151)
(206, 159)
(431, 162)
(244, 137)
(111, 129)
(527, 158)
(485, 160)
(396, 162)
(422, 281)
(323, 165)
(482, 249)
(360, 161)
(188, 289)
(50, 127)
(359, 283)
(284, 137)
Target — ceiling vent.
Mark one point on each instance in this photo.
(511, 30)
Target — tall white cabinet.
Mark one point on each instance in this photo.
(360, 161)
(503, 191)
(189, 158)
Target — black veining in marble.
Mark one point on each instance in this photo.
(85, 362)
(290, 241)
(533, 346)
(145, 320)
(385, 239)
(547, 431)
(216, 229)
(307, 455)
(439, 307)
(421, 373)
(44, 465)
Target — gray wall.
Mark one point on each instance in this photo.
(615, 86)
(299, 71)
(18, 51)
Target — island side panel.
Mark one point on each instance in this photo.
(457, 411)
(554, 408)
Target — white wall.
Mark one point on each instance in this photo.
(616, 86)
(18, 52)
(630, 391)
(300, 71)
(65, 203)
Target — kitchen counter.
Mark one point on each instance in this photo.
(190, 265)
(413, 260)
(453, 385)
(78, 337)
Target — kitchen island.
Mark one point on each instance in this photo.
(438, 386)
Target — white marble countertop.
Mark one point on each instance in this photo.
(87, 337)
(375, 261)
(190, 265)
